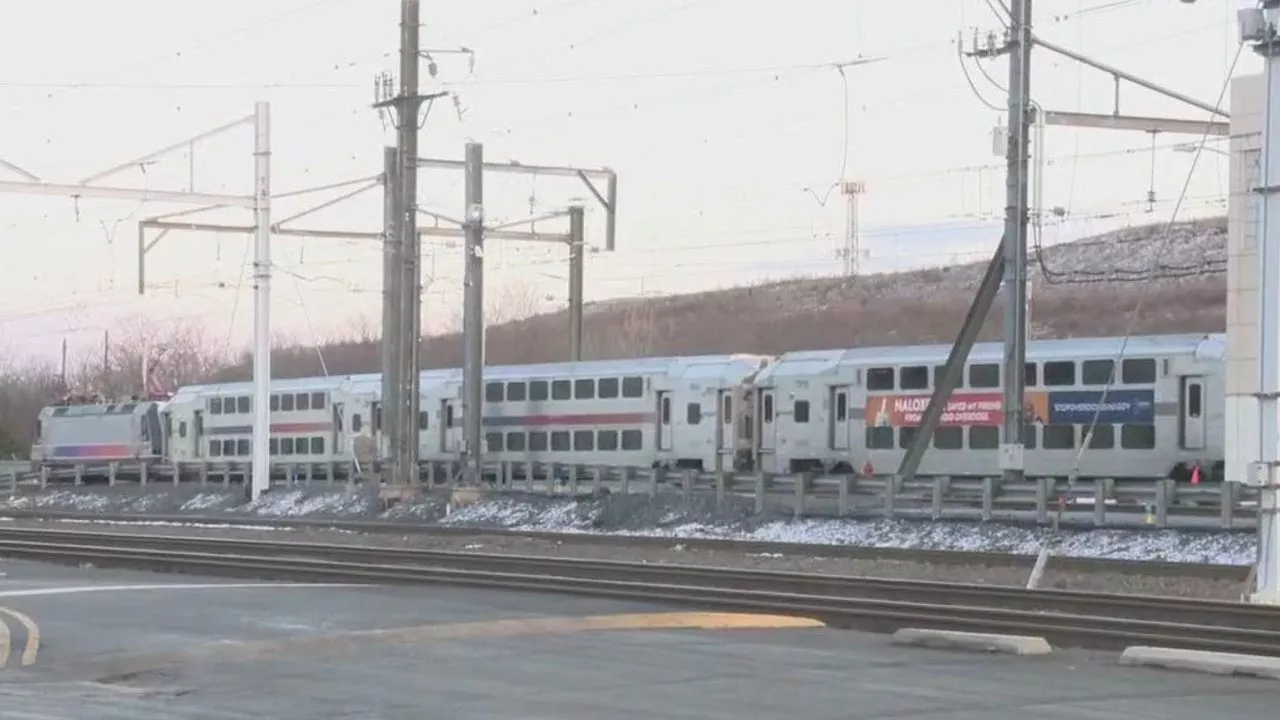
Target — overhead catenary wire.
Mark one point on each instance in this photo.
(1134, 314)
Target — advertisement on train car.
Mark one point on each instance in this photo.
(1059, 408)
(1118, 406)
(962, 409)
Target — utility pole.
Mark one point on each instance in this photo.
(473, 316)
(1258, 26)
(1018, 159)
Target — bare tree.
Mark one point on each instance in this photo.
(515, 299)
(147, 356)
(24, 390)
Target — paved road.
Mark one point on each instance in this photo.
(118, 645)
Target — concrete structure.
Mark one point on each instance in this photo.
(1247, 101)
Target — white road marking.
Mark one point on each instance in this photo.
(33, 592)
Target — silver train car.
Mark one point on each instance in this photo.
(84, 434)
(857, 410)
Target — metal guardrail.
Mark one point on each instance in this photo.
(1066, 617)
(1088, 503)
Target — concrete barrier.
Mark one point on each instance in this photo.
(1214, 663)
(976, 642)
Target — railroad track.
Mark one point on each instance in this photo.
(934, 557)
(1065, 617)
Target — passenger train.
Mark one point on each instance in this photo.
(834, 411)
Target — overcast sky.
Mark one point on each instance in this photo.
(726, 121)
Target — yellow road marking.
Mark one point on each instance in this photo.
(32, 647)
(512, 627)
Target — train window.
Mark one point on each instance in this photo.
(303, 401)
(1029, 376)
(317, 401)
(1138, 437)
(182, 429)
(879, 438)
(607, 388)
(377, 417)
(537, 441)
(983, 437)
(242, 405)
(1193, 400)
(986, 375)
(632, 440)
(215, 448)
(915, 377)
(632, 387)
(1096, 372)
(1059, 373)
(880, 378)
(607, 440)
(424, 418)
(726, 410)
(1138, 371)
(286, 446)
(584, 440)
(538, 390)
(948, 438)
(1029, 437)
(1104, 436)
(228, 448)
(515, 441)
(493, 442)
(493, 392)
(560, 440)
(693, 413)
(1059, 437)
(275, 403)
(228, 406)
(356, 422)
(842, 406)
(242, 447)
(800, 411)
(273, 446)
(584, 389)
(286, 403)
(127, 408)
(448, 416)
(560, 390)
(515, 392)
(905, 436)
(317, 446)
(666, 411)
(768, 408)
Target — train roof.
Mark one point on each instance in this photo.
(807, 362)
(312, 384)
(127, 407)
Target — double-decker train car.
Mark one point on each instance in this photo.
(311, 420)
(1161, 410)
(690, 412)
(77, 434)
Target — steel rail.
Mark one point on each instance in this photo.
(1094, 619)
(1059, 563)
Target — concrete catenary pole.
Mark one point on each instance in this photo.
(577, 261)
(473, 315)
(392, 294)
(1015, 239)
(262, 299)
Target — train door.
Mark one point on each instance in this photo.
(725, 434)
(839, 418)
(195, 444)
(339, 446)
(1192, 414)
(664, 421)
(450, 426)
(166, 434)
(768, 425)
